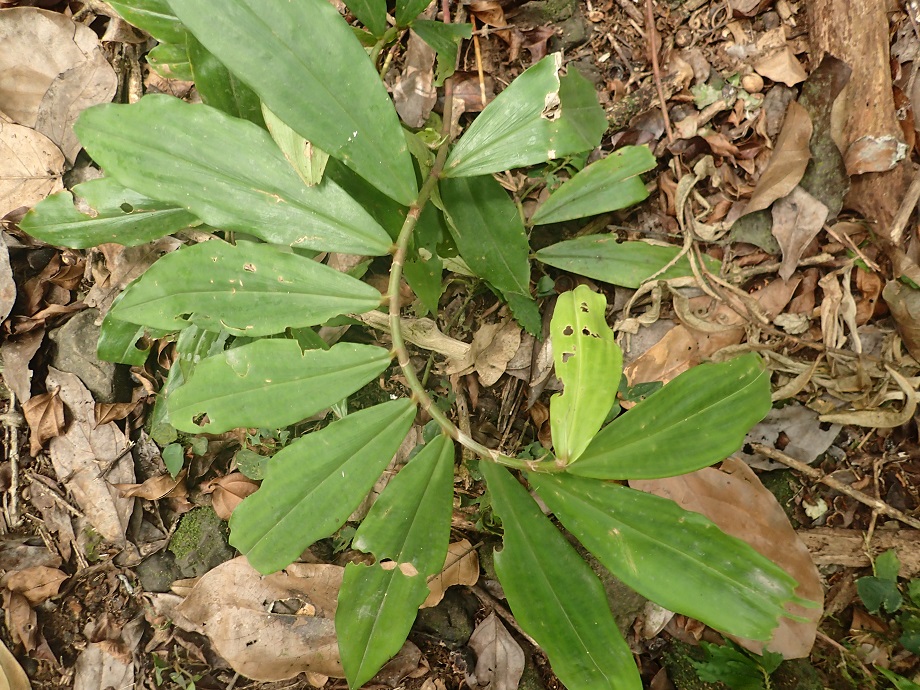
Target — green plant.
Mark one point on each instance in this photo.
(335, 172)
(882, 592)
(737, 668)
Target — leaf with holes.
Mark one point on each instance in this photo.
(407, 529)
(270, 383)
(314, 484)
(244, 289)
(589, 363)
(697, 419)
(226, 171)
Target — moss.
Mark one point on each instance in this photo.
(784, 486)
(194, 545)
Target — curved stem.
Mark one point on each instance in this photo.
(399, 346)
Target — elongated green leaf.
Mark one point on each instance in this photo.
(539, 117)
(170, 61)
(219, 88)
(589, 363)
(489, 233)
(605, 257)
(407, 529)
(676, 558)
(110, 212)
(445, 39)
(226, 171)
(123, 342)
(307, 160)
(313, 485)
(605, 185)
(153, 16)
(554, 595)
(248, 289)
(697, 419)
(322, 83)
(371, 13)
(382, 208)
(270, 383)
(407, 10)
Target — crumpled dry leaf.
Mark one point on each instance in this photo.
(155, 488)
(228, 492)
(45, 415)
(12, 677)
(30, 167)
(15, 554)
(36, 584)
(234, 605)
(493, 346)
(89, 459)
(16, 353)
(803, 430)
(108, 660)
(22, 624)
(122, 265)
(52, 69)
(788, 162)
(414, 94)
(904, 303)
(7, 283)
(499, 658)
(777, 61)
(461, 567)
(735, 500)
(797, 220)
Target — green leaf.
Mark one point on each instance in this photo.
(697, 419)
(539, 117)
(219, 88)
(153, 16)
(119, 341)
(112, 213)
(899, 682)
(314, 484)
(308, 161)
(407, 529)
(270, 383)
(554, 594)
(382, 208)
(674, 557)
(321, 83)
(607, 258)
(170, 61)
(913, 591)
(489, 233)
(407, 10)
(227, 171)
(887, 565)
(877, 593)
(729, 664)
(371, 13)
(174, 458)
(589, 364)
(244, 289)
(445, 40)
(606, 185)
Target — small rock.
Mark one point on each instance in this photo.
(575, 31)
(75, 353)
(541, 12)
(158, 572)
(200, 542)
(452, 620)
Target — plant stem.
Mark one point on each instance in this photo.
(388, 36)
(399, 346)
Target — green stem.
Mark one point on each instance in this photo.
(384, 40)
(399, 346)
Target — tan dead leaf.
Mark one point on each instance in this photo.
(45, 415)
(22, 623)
(16, 353)
(735, 500)
(904, 303)
(7, 283)
(797, 220)
(490, 12)
(749, 8)
(155, 488)
(30, 166)
(56, 518)
(90, 459)
(53, 69)
(869, 285)
(12, 677)
(113, 412)
(228, 492)
(775, 59)
(492, 360)
(788, 162)
(233, 606)
(101, 666)
(461, 567)
(36, 584)
(122, 265)
(499, 658)
(15, 554)
(414, 94)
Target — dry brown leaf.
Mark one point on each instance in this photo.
(499, 658)
(735, 500)
(414, 94)
(103, 665)
(89, 459)
(22, 623)
(12, 677)
(36, 584)
(797, 220)
(15, 555)
(775, 59)
(30, 167)
(233, 605)
(112, 412)
(228, 492)
(45, 415)
(788, 162)
(492, 359)
(52, 69)
(16, 353)
(56, 518)
(869, 285)
(155, 488)
(461, 567)
(7, 283)
(904, 303)
(122, 265)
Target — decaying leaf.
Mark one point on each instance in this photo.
(797, 220)
(904, 303)
(461, 567)
(414, 94)
(155, 488)
(45, 415)
(7, 284)
(499, 659)
(807, 437)
(36, 584)
(12, 677)
(228, 492)
(734, 499)
(30, 167)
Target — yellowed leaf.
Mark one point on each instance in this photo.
(11, 672)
